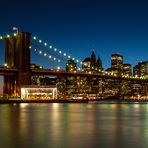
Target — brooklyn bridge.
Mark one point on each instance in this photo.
(18, 73)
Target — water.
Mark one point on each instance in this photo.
(73, 125)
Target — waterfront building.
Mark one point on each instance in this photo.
(39, 92)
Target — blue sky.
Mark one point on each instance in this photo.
(77, 26)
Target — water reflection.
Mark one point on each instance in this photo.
(74, 125)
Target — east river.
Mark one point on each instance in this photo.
(74, 125)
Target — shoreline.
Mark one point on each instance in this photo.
(9, 101)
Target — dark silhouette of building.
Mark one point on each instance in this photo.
(99, 64)
(93, 60)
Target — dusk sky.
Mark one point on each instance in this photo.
(77, 26)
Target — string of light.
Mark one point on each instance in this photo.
(49, 56)
(7, 36)
(56, 50)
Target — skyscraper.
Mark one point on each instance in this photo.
(127, 69)
(93, 60)
(117, 63)
(141, 69)
(99, 64)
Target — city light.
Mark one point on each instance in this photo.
(5, 64)
(34, 37)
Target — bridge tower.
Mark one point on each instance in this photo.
(17, 54)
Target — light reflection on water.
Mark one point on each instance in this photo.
(73, 125)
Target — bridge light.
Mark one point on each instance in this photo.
(14, 34)
(1, 37)
(45, 54)
(34, 49)
(34, 37)
(49, 57)
(55, 49)
(59, 60)
(77, 61)
(58, 68)
(45, 44)
(50, 46)
(8, 35)
(60, 52)
(41, 67)
(40, 52)
(64, 54)
(40, 41)
(54, 59)
(68, 56)
(29, 47)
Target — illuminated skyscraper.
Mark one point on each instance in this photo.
(117, 63)
(141, 69)
(127, 69)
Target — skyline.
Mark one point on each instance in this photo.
(78, 26)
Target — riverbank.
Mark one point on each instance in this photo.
(43, 101)
(7, 101)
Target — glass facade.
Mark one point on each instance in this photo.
(39, 93)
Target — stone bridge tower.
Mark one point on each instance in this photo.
(17, 54)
